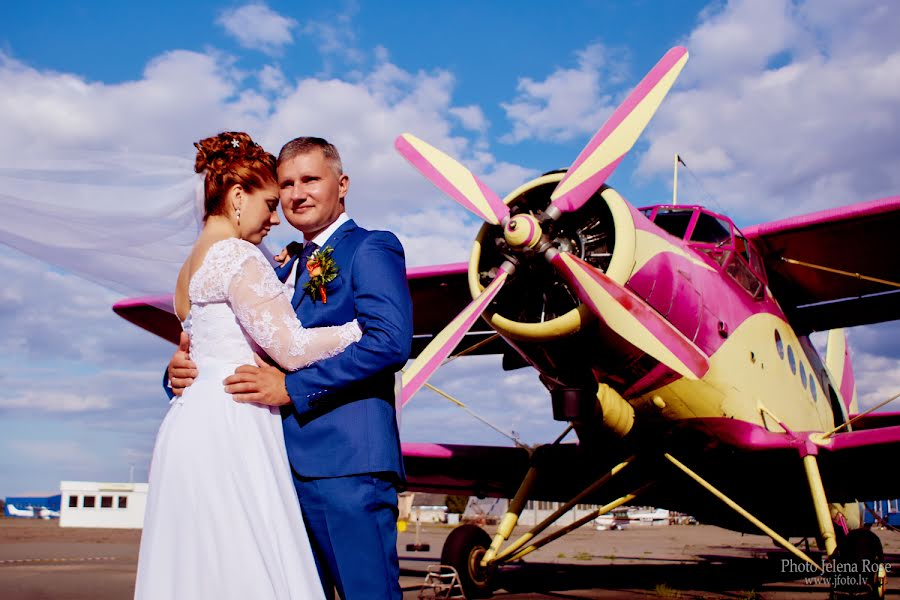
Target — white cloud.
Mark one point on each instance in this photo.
(471, 117)
(364, 117)
(55, 402)
(803, 116)
(569, 102)
(184, 96)
(873, 353)
(877, 380)
(271, 78)
(796, 104)
(732, 42)
(52, 451)
(180, 96)
(47, 315)
(67, 356)
(512, 401)
(258, 27)
(811, 107)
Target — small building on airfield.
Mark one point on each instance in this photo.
(882, 513)
(105, 505)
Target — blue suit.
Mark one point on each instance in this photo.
(341, 429)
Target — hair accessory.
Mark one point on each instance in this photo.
(235, 143)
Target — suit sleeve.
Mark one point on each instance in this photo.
(167, 387)
(384, 312)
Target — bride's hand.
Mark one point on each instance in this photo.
(286, 253)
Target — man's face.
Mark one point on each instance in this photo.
(312, 193)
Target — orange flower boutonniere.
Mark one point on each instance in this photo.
(322, 271)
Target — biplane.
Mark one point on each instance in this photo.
(674, 348)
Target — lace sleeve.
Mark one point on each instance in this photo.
(264, 310)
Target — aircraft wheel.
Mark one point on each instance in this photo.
(863, 573)
(463, 551)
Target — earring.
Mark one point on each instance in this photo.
(237, 213)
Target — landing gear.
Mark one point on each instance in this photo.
(463, 550)
(859, 570)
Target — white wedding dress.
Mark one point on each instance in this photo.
(222, 518)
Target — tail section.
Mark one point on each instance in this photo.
(18, 512)
(837, 358)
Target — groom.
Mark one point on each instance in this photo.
(340, 427)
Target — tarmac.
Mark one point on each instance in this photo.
(39, 560)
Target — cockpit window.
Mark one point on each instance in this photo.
(711, 230)
(674, 221)
(740, 246)
(740, 267)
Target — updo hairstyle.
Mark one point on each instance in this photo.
(231, 158)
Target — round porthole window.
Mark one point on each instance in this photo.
(812, 387)
(791, 360)
(779, 345)
(803, 375)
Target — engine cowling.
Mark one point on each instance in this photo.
(538, 305)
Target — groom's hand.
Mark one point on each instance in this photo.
(182, 370)
(262, 384)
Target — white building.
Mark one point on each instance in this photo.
(108, 505)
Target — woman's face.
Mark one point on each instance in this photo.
(259, 213)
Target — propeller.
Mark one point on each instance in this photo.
(630, 317)
(443, 344)
(609, 145)
(452, 177)
(619, 308)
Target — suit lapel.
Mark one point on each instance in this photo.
(303, 275)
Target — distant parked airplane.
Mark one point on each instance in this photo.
(625, 516)
(29, 511)
(19, 512)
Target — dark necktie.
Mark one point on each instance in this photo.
(308, 249)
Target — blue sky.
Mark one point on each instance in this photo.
(784, 108)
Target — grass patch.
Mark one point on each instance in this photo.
(664, 591)
(583, 556)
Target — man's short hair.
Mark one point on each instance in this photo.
(304, 145)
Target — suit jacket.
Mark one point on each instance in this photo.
(342, 419)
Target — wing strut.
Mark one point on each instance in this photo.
(793, 261)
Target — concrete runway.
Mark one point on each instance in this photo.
(38, 561)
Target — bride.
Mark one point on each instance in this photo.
(222, 518)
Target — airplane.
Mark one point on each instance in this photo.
(40, 512)
(47, 513)
(19, 512)
(624, 516)
(674, 345)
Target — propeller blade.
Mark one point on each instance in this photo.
(630, 317)
(443, 344)
(610, 144)
(453, 178)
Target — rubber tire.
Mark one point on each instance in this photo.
(463, 549)
(857, 546)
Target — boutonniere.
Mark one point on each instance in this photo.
(322, 270)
